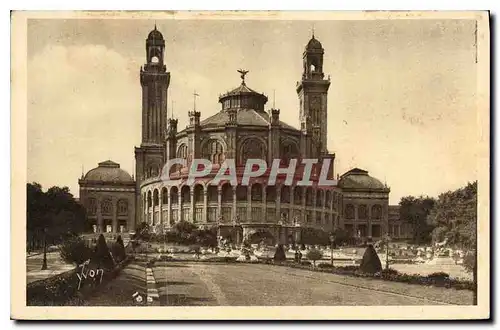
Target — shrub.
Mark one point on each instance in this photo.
(325, 266)
(279, 254)
(439, 276)
(118, 250)
(74, 251)
(101, 257)
(370, 263)
(314, 255)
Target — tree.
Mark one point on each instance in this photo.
(52, 217)
(101, 257)
(185, 232)
(371, 262)
(315, 236)
(342, 236)
(75, 251)
(279, 254)
(415, 210)
(455, 218)
(118, 249)
(314, 255)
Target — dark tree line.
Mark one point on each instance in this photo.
(53, 215)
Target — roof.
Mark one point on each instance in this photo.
(108, 171)
(314, 44)
(155, 34)
(245, 117)
(241, 89)
(359, 179)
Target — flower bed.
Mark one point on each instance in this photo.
(65, 289)
(440, 279)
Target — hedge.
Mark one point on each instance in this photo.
(62, 289)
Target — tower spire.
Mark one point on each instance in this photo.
(274, 98)
(194, 99)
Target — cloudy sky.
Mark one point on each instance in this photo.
(402, 102)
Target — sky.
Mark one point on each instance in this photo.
(401, 104)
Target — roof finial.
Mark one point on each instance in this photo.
(243, 74)
(274, 98)
(194, 99)
(313, 31)
(172, 110)
(155, 25)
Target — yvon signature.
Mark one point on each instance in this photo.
(93, 274)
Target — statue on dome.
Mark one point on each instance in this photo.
(243, 74)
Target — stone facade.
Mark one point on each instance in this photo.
(242, 129)
(108, 194)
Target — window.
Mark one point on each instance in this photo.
(106, 207)
(349, 211)
(362, 212)
(252, 148)
(377, 212)
(92, 206)
(182, 151)
(122, 207)
(213, 151)
(257, 192)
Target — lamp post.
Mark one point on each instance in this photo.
(44, 264)
(387, 240)
(332, 240)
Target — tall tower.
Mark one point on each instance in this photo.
(313, 91)
(154, 81)
(150, 156)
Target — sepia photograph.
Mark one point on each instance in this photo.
(331, 165)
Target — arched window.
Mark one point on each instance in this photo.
(122, 207)
(377, 212)
(156, 197)
(91, 206)
(150, 199)
(289, 150)
(182, 151)
(198, 193)
(252, 148)
(362, 212)
(241, 193)
(256, 192)
(213, 151)
(349, 211)
(227, 193)
(164, 195)
(185, 195)
(212, 193)
(328, 199)
(174, 195)
(107, 207)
